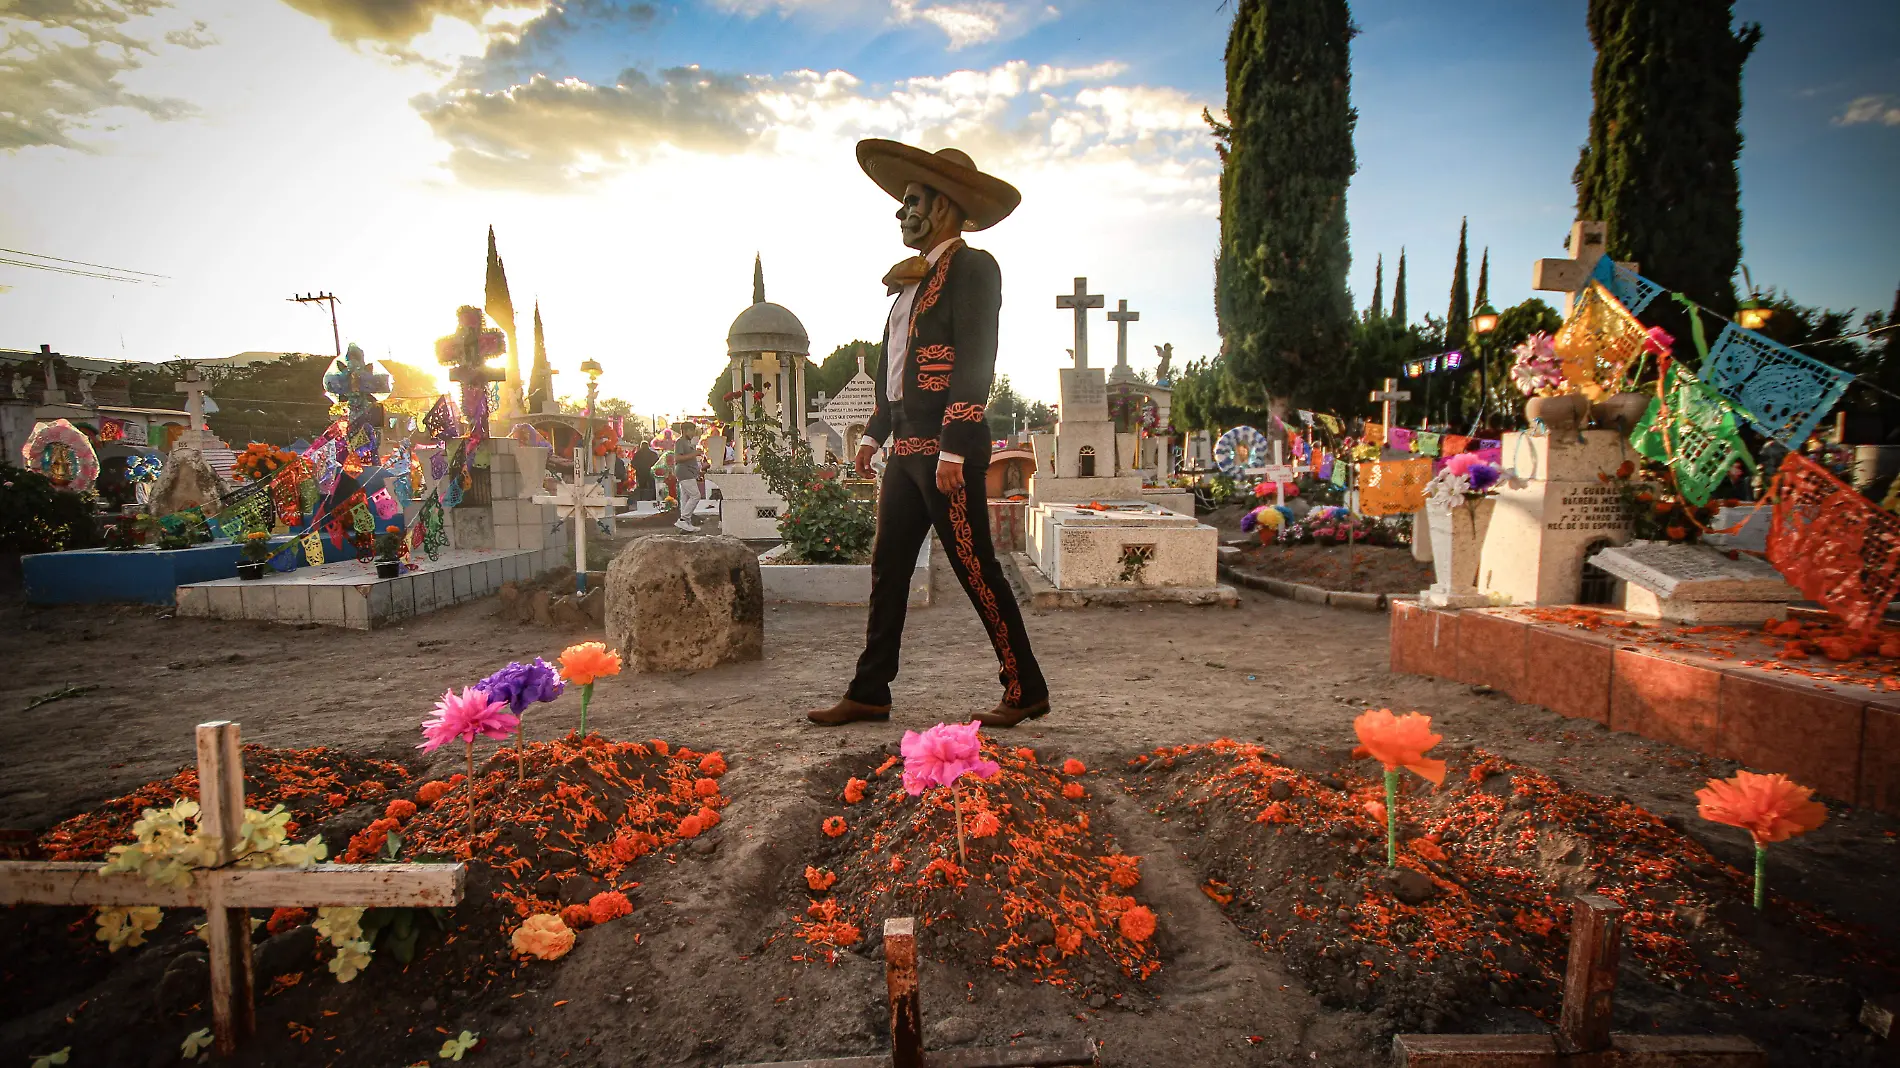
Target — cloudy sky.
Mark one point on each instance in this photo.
(632, 157)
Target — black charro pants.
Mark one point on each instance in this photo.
(909, 505)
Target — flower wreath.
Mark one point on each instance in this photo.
(47, 436)
(1227, 448)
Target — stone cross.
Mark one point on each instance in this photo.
(1389, 399)
(1281, 473)
(194, 389)
(353, 383)
(1081, 300)
(1567, 276)
(1583, 1038)
(226, 892)
(575, 500)
(1121, 317)
(468, 350)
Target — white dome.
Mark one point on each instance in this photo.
(767, 327)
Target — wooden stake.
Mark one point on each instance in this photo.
(1596, 928)
(900, 979)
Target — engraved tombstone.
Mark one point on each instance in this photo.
(1551, 509)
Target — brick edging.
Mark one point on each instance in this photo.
(1307, 594)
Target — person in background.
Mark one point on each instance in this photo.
(689, 470)
(1736, 487)
(643, 460)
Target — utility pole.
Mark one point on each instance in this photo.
(319, 298)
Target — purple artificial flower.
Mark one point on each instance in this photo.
(1483, 476)
(521, 684)
(1249, 521)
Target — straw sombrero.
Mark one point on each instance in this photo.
(986, 200)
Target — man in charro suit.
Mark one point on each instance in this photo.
(939, 358)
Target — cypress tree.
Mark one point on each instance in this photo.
(1378, 289)
(1484, 280)
(1398, 291)
(1458, 318)
(758, 279)
(501, 310)
(1659, 168)
(1280, 282)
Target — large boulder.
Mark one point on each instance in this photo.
(679, 603)
(187, 480)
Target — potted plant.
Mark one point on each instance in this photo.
(388, 552)
(254, 555)
(1458, 506)
(1538, 373)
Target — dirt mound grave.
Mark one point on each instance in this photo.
(1046, 893)
(1471, 931)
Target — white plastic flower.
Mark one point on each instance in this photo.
(340, 923)
(127, 926)
(351, 958)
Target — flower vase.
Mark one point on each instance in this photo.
(1457, 537)
(1621, 411)
(1566, 411)
(248, 570)
(387, 569)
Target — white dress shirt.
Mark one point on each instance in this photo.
(897, 342)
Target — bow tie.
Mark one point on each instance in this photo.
(905, 273)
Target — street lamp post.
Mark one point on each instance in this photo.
(1483, 321)
(590, 368)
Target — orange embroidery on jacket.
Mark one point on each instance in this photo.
(933, 288)
(963, 541)
(933, 383)
(963, 412)
(938, 358)
(914, 447)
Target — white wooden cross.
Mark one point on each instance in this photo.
(194, 389)
(1081, 300)
(1389, 399)
(1588, 243)
(226, 893)
(1121, 317)
(1281, 473)
(577, 499)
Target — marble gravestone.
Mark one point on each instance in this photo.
(1553, 510)
(1695, 583)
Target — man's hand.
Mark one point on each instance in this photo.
(949, 476)
(863, 462)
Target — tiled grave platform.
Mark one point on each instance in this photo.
(348, 594)
(1673, 684)
(143, 576)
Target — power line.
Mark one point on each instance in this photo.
(68, 270)
(83, 263)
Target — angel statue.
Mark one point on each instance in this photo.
(1165, 353)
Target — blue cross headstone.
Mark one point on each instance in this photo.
(354, 383)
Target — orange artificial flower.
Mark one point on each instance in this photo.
(658, 747)
(854, 791)
(706, 787)
(1074, 792)
(1138, 924)
(1073, 766)
(1399, 742)
(708, 819)
(583, 663)
(629, 846)
(1068, 939)
(577, 916)
(691, 826)
(713, 764)
(608, 905)
(400, 809)
(1124, 871)
(983, 824)
(543, 935)
(1770, 807)
(834, 826)
(1026, 753)
(819, 879)
(432, 791)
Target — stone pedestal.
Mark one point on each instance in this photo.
(1456, 536)
(1134, 544)
(747, 509)
(1552, 511)
(685, 602)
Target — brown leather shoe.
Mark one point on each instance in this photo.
(1004, 715)
(849, 711)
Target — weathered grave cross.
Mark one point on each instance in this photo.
(1588, 244)
(226, 893)
(1081, 300)
(576, 500)
(1121, 317)
(1389, 399)
(907, 1025)
(1280, 473)
(194, 388)
(1583, 1038)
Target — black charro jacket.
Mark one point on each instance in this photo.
(951, 362)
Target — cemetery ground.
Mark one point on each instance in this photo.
(1277, 937)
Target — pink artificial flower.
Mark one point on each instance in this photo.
(1658, 340)
(941, 755)
(1461, 463)
(465, 717)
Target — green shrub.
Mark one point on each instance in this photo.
(822, 522)
(35, 517)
